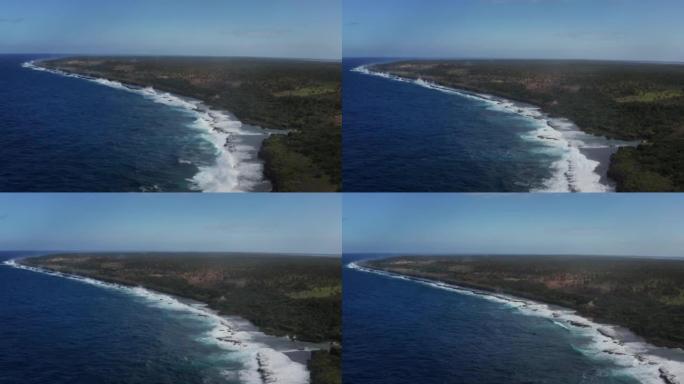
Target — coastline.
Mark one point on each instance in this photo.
(646, 362)
(238, 166)
(266, 358)
(584, 159)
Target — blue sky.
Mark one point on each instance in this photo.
(270, 28)
(591, 224)
(584, 29)
(307, 223)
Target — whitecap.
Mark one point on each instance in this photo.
(633, 355)
(237, 336)
(237, 167)
(573, 171)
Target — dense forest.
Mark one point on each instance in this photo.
(296, 296)
(629, 101)
(643, 295)
(297, 95)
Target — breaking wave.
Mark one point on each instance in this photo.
(237, 167)
(262, 363)
(573, 171)
(645, 362)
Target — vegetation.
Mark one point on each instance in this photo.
(324, 367)
(644, 295)
(629, 101)
(297, 95)
(296, 296)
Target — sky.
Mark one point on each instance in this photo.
(258, 28)
(279, 223)
(550, 224)
(569, 29)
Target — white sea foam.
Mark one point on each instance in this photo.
(573, 171)
(262, 363)
(635, 357)
(237, 167)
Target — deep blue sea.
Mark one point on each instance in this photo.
(399, 136)
(398, 331)
(62, 331)
(61, 133)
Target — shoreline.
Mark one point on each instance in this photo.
(651, 364)
(237, 167)
(269, 358)
(584, 158)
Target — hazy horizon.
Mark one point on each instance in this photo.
(630, 225)
(248, 223)
(302, 29)
(625, 30)
(456, 58)
(393, 254)
(179, 252)
(125, 55)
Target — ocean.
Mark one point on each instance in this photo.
(61, 329)
(65, 133)
(414, 136)
(398, 330)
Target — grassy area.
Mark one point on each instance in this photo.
(301, 96)
(629, 101)
(294, 296)
(651, 96)
(644, 295)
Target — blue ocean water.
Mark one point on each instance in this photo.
(61, 133)
(398, 331)
(402, 137)
(61, 331)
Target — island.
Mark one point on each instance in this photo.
(642, 102)
(644, 295)
(300, 97)
(284, 295)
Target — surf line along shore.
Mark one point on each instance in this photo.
(583, 160)
(645, 362)
(265, 359)
(237, 166)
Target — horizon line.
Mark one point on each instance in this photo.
(53, 251)
(413, 254)
(71, 54)
(427, 58)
